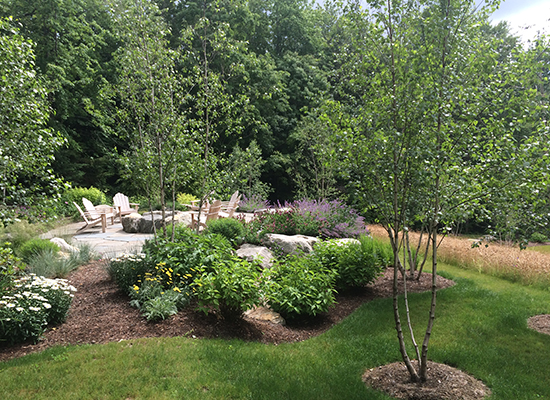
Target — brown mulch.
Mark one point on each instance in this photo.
(540, 323)
(443, 383)
(100, 313)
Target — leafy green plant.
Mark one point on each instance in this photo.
(127, 269)
(21, 232)
(229, 287)
(357, 263)
(538, 238)
(184, 198)
(298, 285)
(230, 228)
(33, 303)
(10, 266)
(278, 221)
(35, 246)
(65, 203)
(157, 302)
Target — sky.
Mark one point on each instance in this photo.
(526, 17)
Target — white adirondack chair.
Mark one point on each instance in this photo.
(89, 221)
(209, 215)
(123, 205)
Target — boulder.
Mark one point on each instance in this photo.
(64, 246)
(130, 223)
(250, 253)
(136, 223)
(265, 314)
(290, 244)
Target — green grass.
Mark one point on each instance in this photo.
(542, 249)
(480, 328)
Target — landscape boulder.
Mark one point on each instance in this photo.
(251, 252)
(290, 244)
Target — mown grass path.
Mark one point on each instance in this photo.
(481, 328)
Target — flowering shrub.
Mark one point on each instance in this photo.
(253, 203)
(329, 219)
(32, 304)
(279, 221)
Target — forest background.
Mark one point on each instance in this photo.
(226, 95)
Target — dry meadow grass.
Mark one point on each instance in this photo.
(526, 267)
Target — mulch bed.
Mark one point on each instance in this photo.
(100, 313)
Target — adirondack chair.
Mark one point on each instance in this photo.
(89, 221)
(99, 211)
(209, 215)
(123, 206)
(229, 208)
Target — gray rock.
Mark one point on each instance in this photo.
(290, 244)
(130, 223)
(250, 253)
(64, 246)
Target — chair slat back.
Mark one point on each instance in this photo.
(94, 214)
(214, 210)
(82, 213)
(122, 202)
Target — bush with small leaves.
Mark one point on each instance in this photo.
(298, 285)
(538, 238)
(357, 264)
(230, 228)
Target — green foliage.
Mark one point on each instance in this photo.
(298, 285)
(35, 246)
(276, 221)
(243, 171)
(21, 232)
(230, 228)
(65, 203)
(27, 144)
(229, 287)
(155, 301)
(538, 238)
(127, 270)
(48, 263)
(184, 198)
(10, 266)
(33, 303)
(357, 264)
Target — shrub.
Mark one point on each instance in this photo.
(330, 219)
(184, 198)
(299, 285)
(36, 246)
(229, 287)
(155, 301)
(253, 203)
(127, 269)
(34, 303)
(279, 221)
(65, 204)
(357, 264)
(10, 266)
(21, 232)
(538, 238)
(230, 228)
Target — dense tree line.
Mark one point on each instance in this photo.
(281, 77)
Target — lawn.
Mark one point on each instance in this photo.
(481, 328)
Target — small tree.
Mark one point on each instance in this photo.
(429, 136)
(27, 145)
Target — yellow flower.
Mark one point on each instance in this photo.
(177, 289)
